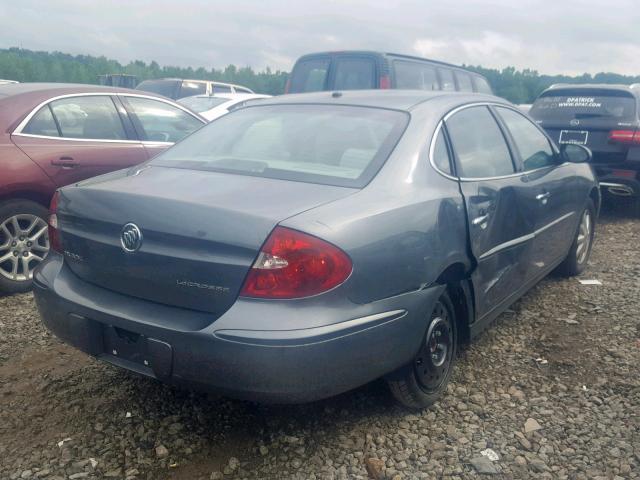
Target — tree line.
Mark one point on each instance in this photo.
(518, 86)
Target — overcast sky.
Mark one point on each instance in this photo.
(551, 36)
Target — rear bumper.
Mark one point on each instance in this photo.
(184, 347)
(620, 179)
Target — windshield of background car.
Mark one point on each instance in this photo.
(161, 87)
(327, 144)
(584, 104)
(202, 104)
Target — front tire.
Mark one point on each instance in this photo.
(580, 251)
(423, 381)
(24, 243)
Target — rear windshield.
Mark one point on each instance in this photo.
(202, 104)
(579, 104)
(327, 144)
(161, 87)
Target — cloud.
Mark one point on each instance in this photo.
(572, 36)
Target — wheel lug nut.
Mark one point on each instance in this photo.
(15, 254)
(14, 243)
(25, 254)
(434, 356)
(29, 244)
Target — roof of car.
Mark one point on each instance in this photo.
(634, 88)
(401, 55)
(392, 99)
(10, 89)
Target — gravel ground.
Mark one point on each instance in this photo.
(553, 389)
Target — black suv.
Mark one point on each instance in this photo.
(363, 70)
(605, 119)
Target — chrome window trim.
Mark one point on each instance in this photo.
(479, 179)
(18, 130)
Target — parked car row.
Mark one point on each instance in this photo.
(302, 245)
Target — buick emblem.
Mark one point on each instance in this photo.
(575, 122)
(131, 237)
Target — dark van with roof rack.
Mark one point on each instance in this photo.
(363, 70)
(604, 118)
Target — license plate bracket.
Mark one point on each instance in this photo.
(126, 345)
(575, 137)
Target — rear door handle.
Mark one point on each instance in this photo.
(481, 220)
(543, 197)
(65, 162)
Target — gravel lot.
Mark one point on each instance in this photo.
(566, 356)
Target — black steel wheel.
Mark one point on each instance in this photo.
(422, 382)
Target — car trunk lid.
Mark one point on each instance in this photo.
(201, 231)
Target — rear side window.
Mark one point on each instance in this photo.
(480, 148)
(188, 89)
(446, 79)
(42, 123)
(327, 144)
(464, 82)
(88, 117)
(482, 86)
(584, 104)
(161, 122)
(354, 74)
(309, 75)
(535, 150)
(415, 75)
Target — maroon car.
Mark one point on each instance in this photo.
(58, 134)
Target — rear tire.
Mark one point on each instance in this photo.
(423, 381)
(23, 243)
(580, 251)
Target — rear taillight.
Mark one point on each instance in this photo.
(624, 136)
(384, 82)
(55, 243)
(287, 85)
(293, 264)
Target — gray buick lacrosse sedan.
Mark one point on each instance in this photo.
(306, 245)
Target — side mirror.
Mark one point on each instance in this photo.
(574, 153)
